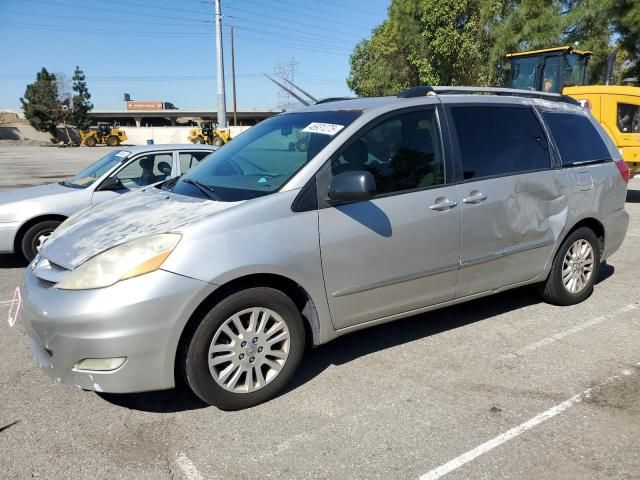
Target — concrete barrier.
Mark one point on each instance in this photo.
(135, 135)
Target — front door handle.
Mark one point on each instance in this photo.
(476, 196)
(442, 204)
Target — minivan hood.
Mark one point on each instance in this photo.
(117, 221)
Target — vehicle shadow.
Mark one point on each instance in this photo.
(633, 196)
(350, 347)
(12, 261)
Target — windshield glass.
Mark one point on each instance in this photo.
(89, 175)
(265, 157)
(574, 70)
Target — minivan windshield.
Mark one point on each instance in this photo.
(265, 157)
(89, 175)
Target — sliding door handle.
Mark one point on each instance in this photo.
(443, 204)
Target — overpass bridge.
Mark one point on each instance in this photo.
(177, 117)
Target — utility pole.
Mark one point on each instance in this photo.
(222, 104)
(233, 79)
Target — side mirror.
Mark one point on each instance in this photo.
(111, 184)
(352, 186)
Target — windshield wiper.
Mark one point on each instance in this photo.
(64, 183)
(206, 189)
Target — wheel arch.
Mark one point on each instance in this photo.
(30, 223)
(292, 289)
(592, 223)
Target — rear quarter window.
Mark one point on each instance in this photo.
(578, 141)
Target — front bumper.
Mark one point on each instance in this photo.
(140, 319)
(8, 233)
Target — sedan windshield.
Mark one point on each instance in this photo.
(265, 157)
(89, 175)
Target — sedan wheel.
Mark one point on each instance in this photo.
(35, 237)
(245, 350)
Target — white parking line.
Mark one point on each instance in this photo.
(188, 468)
(466, 457)
(570, 331)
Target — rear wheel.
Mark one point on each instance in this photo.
(90, 141)
(574, 270)
(245, 350)
(113, 141)
(217, 141)
(34, 238)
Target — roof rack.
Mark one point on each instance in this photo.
(423, 90)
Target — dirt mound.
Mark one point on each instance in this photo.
(10, 119)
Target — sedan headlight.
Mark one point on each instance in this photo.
(131, 259)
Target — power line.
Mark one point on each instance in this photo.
(305, 7)
(333, 21)
(99, 19)
(280, 19)
(120, 12)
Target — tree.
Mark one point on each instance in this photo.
(627, 26)
(464, 42)
(41, 105)
(81, 105)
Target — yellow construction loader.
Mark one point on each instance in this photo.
(209, 135)
(104, 134)
(565, 70)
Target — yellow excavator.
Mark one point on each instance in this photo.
(565, 70)
(104, 134)
(209, 135)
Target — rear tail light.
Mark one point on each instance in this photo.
(624, 170)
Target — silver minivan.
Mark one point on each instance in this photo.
(389, 207)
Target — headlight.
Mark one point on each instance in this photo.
(131, 259)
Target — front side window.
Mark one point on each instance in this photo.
(496, 140)
(403, 152)
(628, 118)
(145, 170)
(577, 139)
(89, 175)
(265, 157)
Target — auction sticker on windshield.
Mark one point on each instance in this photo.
(14, 309)
(323, 128)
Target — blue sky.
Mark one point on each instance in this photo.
(165, 49)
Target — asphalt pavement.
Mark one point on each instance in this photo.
(505, 387)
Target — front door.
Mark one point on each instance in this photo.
(141, 171)
(512, 205)
(399, 251)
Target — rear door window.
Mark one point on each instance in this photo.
(188, 160)
(577, 139)
(497, 140)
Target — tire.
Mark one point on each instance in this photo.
(572, 291)
(90, 141)
(35, 236)
(217, 141)
(198, 348)
(199, 141)
(113, 141)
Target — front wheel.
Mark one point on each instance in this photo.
(90, 142)
(34, 238)
(574, 270)
(217, 141)
(113, 141)
(245, 350)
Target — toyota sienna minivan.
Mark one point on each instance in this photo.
(392, 206)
